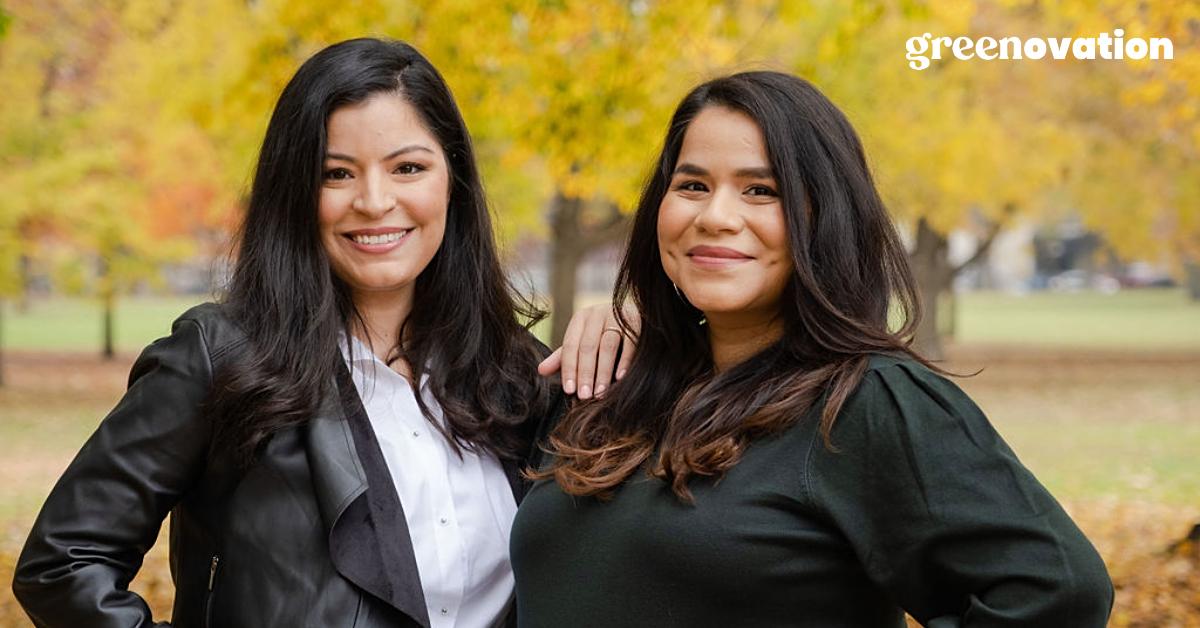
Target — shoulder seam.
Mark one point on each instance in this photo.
(215, 354)
(818, 441)
(888, 361)
(208, 358)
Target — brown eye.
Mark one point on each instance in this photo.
(409, 168)
(691, 186)
(337, 174)
(761, 190)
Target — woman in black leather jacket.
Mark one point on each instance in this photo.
(367, 231)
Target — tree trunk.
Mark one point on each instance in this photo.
(1189, 545)
(948, 317)
(577, 228)
(566, 252)
(25, 270)
(2, 343)
(107, 300)
(1191, 277)
(109, 350)
(933, 273)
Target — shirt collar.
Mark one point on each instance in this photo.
(363, 358)
(356, 351)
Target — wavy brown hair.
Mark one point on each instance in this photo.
(674, 413)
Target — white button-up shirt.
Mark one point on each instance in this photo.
(459, 510)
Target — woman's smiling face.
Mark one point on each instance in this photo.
(384, 195)
(722, 235)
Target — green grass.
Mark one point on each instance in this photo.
(39, 440)
(1131, 319)
(1141, 319)
(1147, 459)
(73, 324)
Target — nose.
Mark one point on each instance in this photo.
(720, 213)
(374, 198)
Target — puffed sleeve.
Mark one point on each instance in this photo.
(942, 514)
(105, 511)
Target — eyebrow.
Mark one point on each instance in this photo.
(754, 173)
(741, 173)
(686, 168)
(396, 153)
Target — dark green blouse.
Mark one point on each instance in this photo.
(922, 508)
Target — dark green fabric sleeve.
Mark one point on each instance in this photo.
(943, 515)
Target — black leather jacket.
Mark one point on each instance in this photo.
(248, 548)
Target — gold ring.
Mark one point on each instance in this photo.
(616, 329)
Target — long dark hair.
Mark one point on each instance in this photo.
(849, 267)
(467, 330)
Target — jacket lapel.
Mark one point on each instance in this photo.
(369, 541)
(338, 476)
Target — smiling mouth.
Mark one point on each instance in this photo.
(716, 256)
(376, 238)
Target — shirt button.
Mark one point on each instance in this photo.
(416, 433)
(445, 612)
(443, 521)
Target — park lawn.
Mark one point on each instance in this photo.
(1130, 319)
(75, 324)
(1160, 319)
(40, 436)
(1094, 424)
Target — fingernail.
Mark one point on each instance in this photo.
(600, 390)
(569, 386)
(585, 392)
(620, 373)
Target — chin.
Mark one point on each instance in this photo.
(382, 284)
(714, 299)
(721, 306)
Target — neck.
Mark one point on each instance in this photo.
(736, 337)
(382, 315)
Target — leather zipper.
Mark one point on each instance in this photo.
(212, 579)
(212, 571)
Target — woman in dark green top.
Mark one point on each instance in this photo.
(776, 455)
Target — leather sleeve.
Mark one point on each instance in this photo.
(106, 509)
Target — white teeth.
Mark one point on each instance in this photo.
(380, 239)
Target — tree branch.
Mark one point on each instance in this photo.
(994, 228)
(612, 229)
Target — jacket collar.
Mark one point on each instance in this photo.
(337, 474)
(369, 541)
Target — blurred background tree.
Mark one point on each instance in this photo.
(1146, 141)
(131, 125)
(129, 128)
(8, 240)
